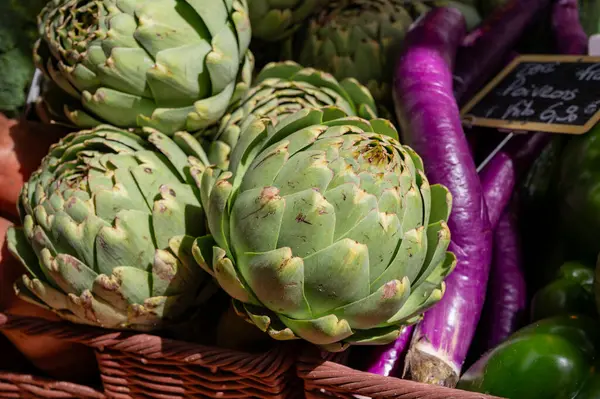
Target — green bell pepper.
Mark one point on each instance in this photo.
(571, 292)
(550, 359)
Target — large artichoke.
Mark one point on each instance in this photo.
(326, 230)
(357, 38)
(273, 20)
(282, 89)
(168, 64)
(109, 221)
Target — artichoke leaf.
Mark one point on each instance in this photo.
(228, 278)
(336, 276)
(408, 260)
(325, 330)
(376, 308)
(277, 281)
(428, 293)
(128, 242)
(438, 239)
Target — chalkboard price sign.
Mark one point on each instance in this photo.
(546, 93)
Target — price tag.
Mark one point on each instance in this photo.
(594, 45)
(545, 93)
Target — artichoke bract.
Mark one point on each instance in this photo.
(273, 20)
(109, 220)
(357, 38)
(167, 64)
(282, 89)
(326, 229)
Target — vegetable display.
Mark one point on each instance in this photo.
(327, 230)
(326, 196)
(169, 65)
(109, 221)
(281, 89)
(430, 122)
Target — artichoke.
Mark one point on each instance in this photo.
(167, 64)
(326, 229)
(282, 89)
(273, 20)
(357, 38)
(109, 220)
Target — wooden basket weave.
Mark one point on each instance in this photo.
(138, 366)
(325, 378)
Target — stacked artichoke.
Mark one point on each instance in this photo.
(274, 20)
(307, 210)
(326, 230)
(357, 38)
(168, 64)
(109, 221)
(282, 89)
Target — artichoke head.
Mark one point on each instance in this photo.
(109, 220)
(274, 20)
(282, 89)
(357, 39)
(167, 64)
(326, 229)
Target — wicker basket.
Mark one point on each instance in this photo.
(137, 366)
(325, 378)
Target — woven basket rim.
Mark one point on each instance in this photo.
(44, 387)
(320, 371)
(270, 364)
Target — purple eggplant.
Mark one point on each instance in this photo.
(498, 181)
(387, 360)
(505, 308)
(431, 124)
(568, 33)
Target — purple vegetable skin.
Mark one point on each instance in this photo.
(498, 180)
(507, 301)
(388, 359)
(431, 124)
(488, 45)
(568, 32)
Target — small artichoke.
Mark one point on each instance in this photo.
(109, 220)
(274, 20)
(282, 89)
(326, 229)
(357, 38)
(167, 64)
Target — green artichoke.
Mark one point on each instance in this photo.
(274, 20)
(282, 89)
(357, 38)
(326, 230)
(167, 64)
(109, 220)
